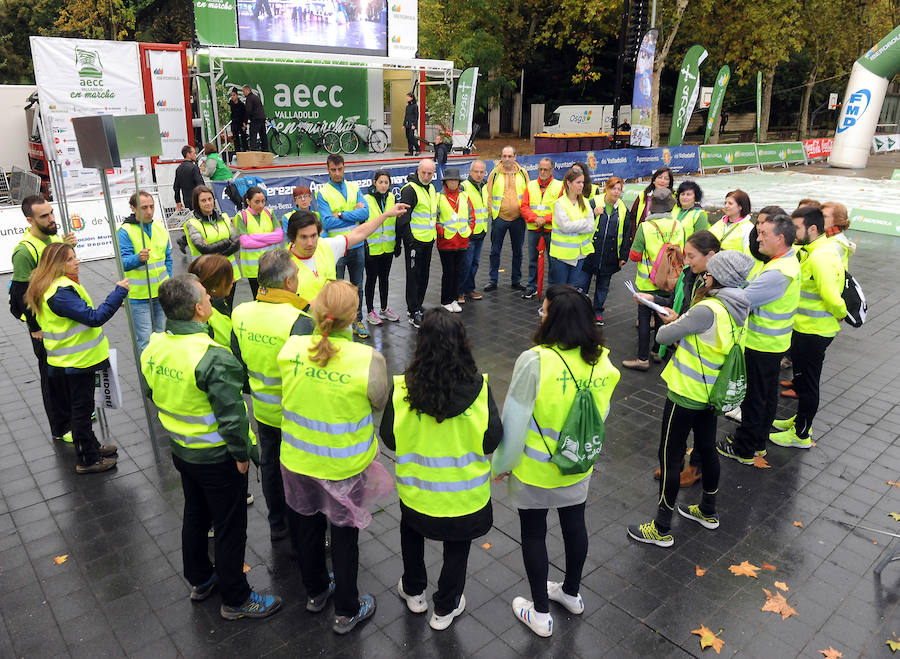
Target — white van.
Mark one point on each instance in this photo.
(585, 118)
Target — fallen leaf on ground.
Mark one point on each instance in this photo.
(745, 569)
(831, 653)
(708, 639)
(59, 560)
(777, 604)
(760, 462)
(894, 483)
(896, 516)
(246, 568)
(768, 566)
(798, 524)
(780, 585)
(812, 443)
(893, 645)
(486, 545)
(700, 571)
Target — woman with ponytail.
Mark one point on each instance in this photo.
(330, 389)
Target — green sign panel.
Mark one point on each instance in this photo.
(300, 97)
(883, 59)
(780, 152)
(686, 93)
(862, 219)
(727, 155)
(216, 22)
(895, 175)
(204, 98)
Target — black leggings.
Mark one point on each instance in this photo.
(677, 423)
(378, 268)
(534, 551)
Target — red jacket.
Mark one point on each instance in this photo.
(525, 207)
(457, 242)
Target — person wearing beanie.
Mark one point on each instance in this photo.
(705, 334)
(453, 231)
(653, 234)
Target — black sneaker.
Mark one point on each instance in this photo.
(317, 604)
(725, 448)
(415, 319)
(492, 286)
(529, 293)
(204, 590)
(517, 287)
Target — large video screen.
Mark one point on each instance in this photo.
(330, 26)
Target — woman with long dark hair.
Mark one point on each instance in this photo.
(705, 334)
(75, 344)
(568, 353)
(660, 179)
(442, 421)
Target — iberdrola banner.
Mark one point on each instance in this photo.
(715, 103)
(464, 107)
(686, 93)
(641, 99)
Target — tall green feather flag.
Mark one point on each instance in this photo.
(715, 103)
(686, 93)
(758, 102)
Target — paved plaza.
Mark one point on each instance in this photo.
(121, 591)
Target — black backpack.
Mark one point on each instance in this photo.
(855, 300)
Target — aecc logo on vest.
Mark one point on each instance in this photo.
(165, 371)
(256, 337)
(319, 373)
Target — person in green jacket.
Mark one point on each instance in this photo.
(214, 167)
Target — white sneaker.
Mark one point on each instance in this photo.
(249, 498)
(734, 415)
(442, 622)
(456, 308)
(415, 603)
(449, 307)
(524, 611)
(573, 604)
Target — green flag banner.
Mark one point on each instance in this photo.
(204, 98)
(300, 97)
(780, 152)
(718, 95)
(216, 22)
(758, 103)
(862, 219)
(464, 108)
(686, 93)
(883, 59)
(714, 156)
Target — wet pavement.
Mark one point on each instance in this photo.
(120, 592)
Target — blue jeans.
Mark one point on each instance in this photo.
(516, 229)
(355, 262)
(470, 263)
(601, 290)
(140, 311)
(533, 239)
(563, 273)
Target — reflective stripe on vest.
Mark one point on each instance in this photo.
(327, 427)
(656, 234)
(249, 257)
(812, 316)
(499, 186)
(556, 393)
(384, 238)
(541, 201)
(571, 246)
(423, 216)
(212, 233)
(450, 478)
(478, 204)
(169, 364)
(70, 344)
(694, 367)
(450, 220)
(261, 329)
(770, 325)
(310, 283)
(155, 266)
(338, 203)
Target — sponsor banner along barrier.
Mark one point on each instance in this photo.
(784, 153)
(882, 143)
(715, 156)
(883, 222)
(89, 224)
(818, 148)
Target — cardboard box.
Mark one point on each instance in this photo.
(247, 159)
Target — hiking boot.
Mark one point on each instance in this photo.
(67, 438)
(107, 450)
(442, 622)
(343, 624)
(360, 329)
(373, 318)
(256, 606)
(784, 424)
(529, 293)
(388, 315)
(204, 590)
(789, 393)
(492, 286)
(103, 464)
(689, 475)
(789, 439)
(637, 364)
(415, 603)
(692, 512)
(524, 611)
(574, 604)
(648, 534)
(725, 448)
(317, 603)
